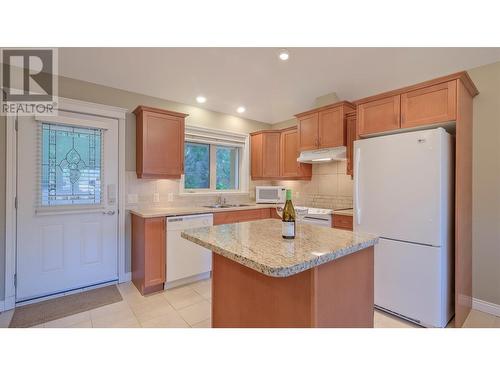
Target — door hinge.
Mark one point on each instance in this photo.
(15, 280)
(15, 203)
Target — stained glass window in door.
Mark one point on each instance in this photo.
(71, 165)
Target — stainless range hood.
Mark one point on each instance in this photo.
(323, 156)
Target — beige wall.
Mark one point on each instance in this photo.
(285, 124)
(486, 184)
(75, 89)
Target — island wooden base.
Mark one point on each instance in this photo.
(335, 294)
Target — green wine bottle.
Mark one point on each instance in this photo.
(288, 220)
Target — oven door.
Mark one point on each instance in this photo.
(322, 221)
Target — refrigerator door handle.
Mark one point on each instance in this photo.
(356, 186)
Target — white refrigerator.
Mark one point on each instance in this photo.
(403, 192)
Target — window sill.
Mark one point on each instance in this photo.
(212, 193)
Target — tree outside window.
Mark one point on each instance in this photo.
(211, 167)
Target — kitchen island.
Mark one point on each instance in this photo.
(322, 278)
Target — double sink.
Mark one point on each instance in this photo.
(226, 205)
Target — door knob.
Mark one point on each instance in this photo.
(110, 212)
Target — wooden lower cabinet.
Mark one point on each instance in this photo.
(241, 216)
(342, 222)
(148, 253)
(338, 294)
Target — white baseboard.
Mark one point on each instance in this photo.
(7, 304)
(125, 278)
(486, 307)
(188, 280)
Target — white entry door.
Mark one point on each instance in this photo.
(67, 188)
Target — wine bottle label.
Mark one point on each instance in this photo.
(288, 228)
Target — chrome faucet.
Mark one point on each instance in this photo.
(220, 200)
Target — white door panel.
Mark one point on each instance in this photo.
(410, 280)
(77, 245)
(400, 185)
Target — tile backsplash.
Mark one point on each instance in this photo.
(145, 189)
(329, 187)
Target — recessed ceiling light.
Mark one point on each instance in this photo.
(201, 99)
(283, 54)
(240, 109)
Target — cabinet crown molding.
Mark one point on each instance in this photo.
(325, 107)
(267, 131)
(462, 76)
(142, 108)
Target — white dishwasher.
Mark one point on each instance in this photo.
(186, 261)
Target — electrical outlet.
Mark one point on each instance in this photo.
(156, 197)
(297, 194)
(170, 197)
(132, 198)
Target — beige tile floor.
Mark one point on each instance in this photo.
(188, 306)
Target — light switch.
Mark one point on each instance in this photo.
(170, 197)
(111, 194)
(132, 198)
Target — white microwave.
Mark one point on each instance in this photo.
(270, 194)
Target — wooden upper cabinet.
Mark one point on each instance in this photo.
(429, 105)
(274, 156)
(290, 168)
(308, 132)
(271, 154)
(265, 154)
(331, 129)
(256, 155)
(323, 127)
(351, 137)
(379, 115)
(159, 143)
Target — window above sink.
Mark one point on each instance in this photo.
(215, 162)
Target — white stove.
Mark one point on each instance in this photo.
(317, 216)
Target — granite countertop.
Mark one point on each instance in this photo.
(259, 245)
(345, 212)
(148, 213)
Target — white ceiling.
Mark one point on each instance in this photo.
(272, 90)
